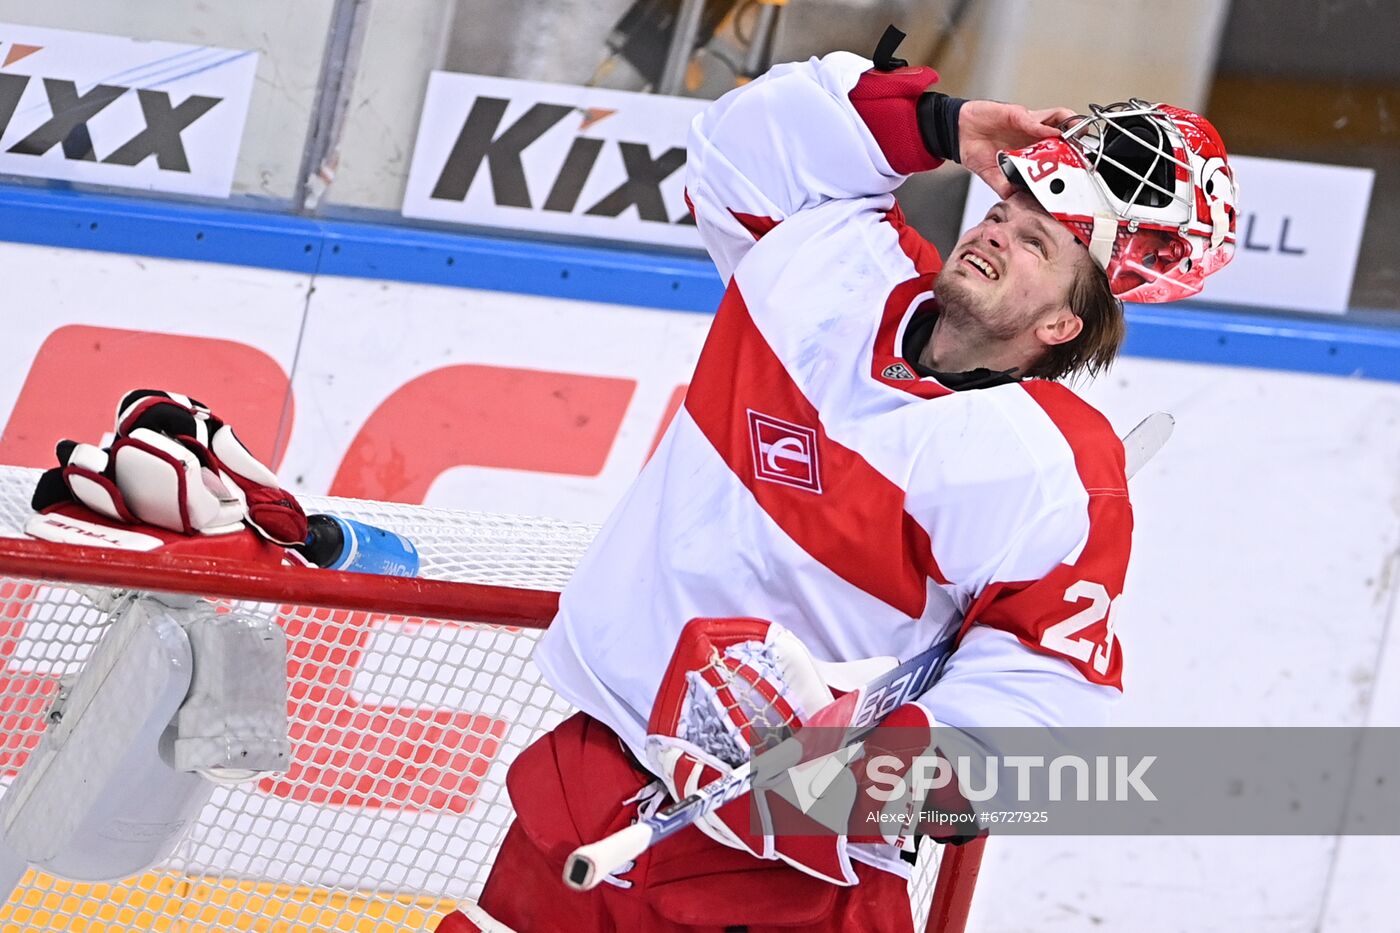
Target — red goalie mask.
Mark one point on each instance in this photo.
(1146, 187)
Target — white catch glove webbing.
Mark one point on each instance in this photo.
(732, 684)
(844, 725)
(735, 685)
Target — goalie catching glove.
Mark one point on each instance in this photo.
(177, 466)
(739, 686)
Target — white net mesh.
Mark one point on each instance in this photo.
(402, 730)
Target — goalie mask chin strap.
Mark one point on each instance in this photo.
(1219, 223)
(1101, 241)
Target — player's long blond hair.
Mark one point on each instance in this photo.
(1090, 353)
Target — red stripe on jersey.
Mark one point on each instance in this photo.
(756, 224)
(1098, 453)
(1068, 612)
(887, 360)
(921, 252)
(849, 517)
(888, 356)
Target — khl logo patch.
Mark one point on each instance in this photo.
(897, 371)
(784, 452)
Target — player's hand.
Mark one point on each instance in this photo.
(986, 127)
(737, 684)
(734, 685)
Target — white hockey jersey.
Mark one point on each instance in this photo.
(813, 480)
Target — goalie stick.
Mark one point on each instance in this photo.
(859, 712)
(1142, 442)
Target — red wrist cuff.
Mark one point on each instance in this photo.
(887, 102)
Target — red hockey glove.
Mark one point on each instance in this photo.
(890, 798)
(732, 685)
(175, 466)
(271, 511)
(144, 478)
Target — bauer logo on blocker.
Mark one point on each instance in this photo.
(784, 452)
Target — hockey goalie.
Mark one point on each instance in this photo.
(877, 454)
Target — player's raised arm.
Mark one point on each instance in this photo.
(787, 142)
(838, 127)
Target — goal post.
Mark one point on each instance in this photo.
(214, 578)
(408, 699)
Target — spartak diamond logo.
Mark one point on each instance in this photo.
(784, 452)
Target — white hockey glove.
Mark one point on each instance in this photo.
(148, 478)
(738, 684)
(176, 466)
(732, 684)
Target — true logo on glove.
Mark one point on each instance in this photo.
(784, 452)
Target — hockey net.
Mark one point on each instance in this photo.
(403, 722)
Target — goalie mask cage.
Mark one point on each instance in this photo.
(407, 702)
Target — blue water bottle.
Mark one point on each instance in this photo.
(342, 544)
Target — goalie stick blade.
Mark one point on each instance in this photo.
(1142, 442)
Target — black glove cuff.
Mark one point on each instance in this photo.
(938, 124)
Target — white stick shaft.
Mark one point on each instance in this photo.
(857, 712)
(590, 864)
